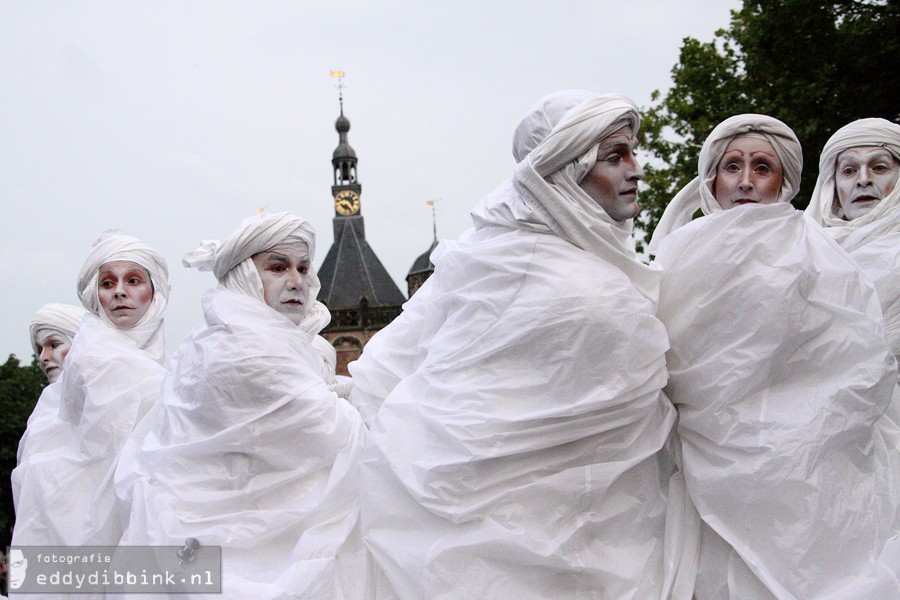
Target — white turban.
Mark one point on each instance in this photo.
(231, 261)
(62, 318)
(824, 205)
(699, 192)
(556, 145)
(116, 245)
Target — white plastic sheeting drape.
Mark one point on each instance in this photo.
(520, 448)
(252, 452)
(781, 376)
(67, 495)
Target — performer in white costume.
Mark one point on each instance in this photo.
(250, 449)
(520, 448)
(52, 330)
(857, 200)
(781, 377)
(111, 378)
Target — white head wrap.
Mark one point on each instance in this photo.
(556, 145)
(62, 318)
(824, 205)
(699, 192)
(115, 245)
(231, 261)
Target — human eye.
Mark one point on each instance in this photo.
(614, 158)
(847, 170)
(276, 267)
(880, 168)
(105, 283)
(732, 167)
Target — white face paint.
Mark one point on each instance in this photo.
(284, 270)
(863, 177)
(749, 172)
(612, 181)
(54, 346)
(125, 292)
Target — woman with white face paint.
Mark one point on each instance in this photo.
(781, 377)
(111, 378)
(521, 444)
(857, 200)
(249, 448)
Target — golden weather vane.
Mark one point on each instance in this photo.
(433, 216)
(340, 87)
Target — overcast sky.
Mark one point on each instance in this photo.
(176, 120)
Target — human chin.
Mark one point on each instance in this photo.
(856, 209)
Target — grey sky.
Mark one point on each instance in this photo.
(176, 120)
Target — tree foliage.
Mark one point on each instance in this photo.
(814, 65)
(20, 388)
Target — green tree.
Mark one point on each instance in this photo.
(814, 65)
(20, 388)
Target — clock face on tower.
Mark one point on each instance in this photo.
(346, 203)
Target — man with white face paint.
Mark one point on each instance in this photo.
(857, 200)
(520, 448)
(112, 377)
(782, 380)
(249, 448)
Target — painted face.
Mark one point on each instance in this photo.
(54, 346)
(750, 172)
(284, 270)
(612, 182)
(863, 177)
(125, 292)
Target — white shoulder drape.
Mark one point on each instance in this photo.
(251, 451)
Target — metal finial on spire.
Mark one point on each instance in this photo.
(340, 87)
(433, 216)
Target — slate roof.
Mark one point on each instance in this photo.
(351, 270)
(423, 264)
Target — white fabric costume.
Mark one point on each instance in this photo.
(520, 446)
(872, 240)
(109, 382)
(249, 449)
(781, 377)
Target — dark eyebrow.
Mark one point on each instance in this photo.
(616, 146)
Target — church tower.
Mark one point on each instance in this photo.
(356, 288)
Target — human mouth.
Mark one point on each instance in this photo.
(865, 198)
(744, 201)
(630, 192)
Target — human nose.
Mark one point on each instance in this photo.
(46, 354)
(745, 182)
(863, 176)
(636, 171)
(295, 280)
(120, 289)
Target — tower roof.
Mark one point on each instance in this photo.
(351, 271)
(343, 150)
(423, 263)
